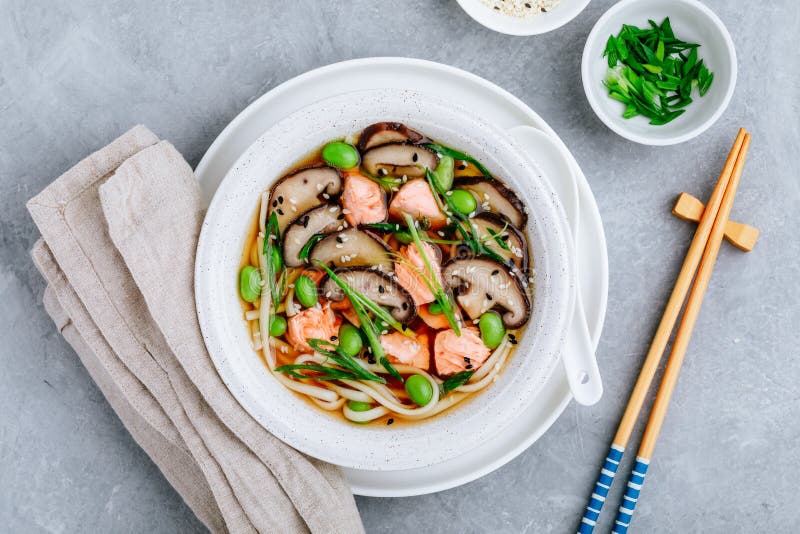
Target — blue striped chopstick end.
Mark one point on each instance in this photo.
(632, 491)
(601, 487)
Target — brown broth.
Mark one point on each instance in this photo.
(417, 325)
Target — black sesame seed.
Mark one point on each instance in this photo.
(274, 203)
(415, 157)
(339, 239)
(512, 341)
(305, 221)
(334, 338)
(383, 172)
(340, 217)
(280, 211)
(390, 421)
(280, 199)
(488, 296)
(405, 305)
(469, 366)
(496, 8)
(404, 326)
(461, 167)
(495, 272)
(504, 237)
(512, 336)
(381, 289)
(527, 5)
(466, 359)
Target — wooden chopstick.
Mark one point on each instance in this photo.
(660, 339)
(659, 411)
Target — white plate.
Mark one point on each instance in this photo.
(485, 99)
(297, 422)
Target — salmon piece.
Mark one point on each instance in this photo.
(320, 323)
(436, 321)
(416, 199)
(410, 277)
(452, 354)
(407, 350)
(315, 274)
(345, 307)
(363, 200)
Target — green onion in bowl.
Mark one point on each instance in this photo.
(653, 72)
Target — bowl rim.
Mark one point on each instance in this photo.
(592, 42)
(209, 325)
(523, 27)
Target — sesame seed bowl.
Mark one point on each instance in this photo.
(523, 17)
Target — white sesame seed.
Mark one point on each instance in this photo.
(326, 196)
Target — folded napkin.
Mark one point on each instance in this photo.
(119, 232)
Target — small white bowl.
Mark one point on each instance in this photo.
(692, 22)
(564, 12)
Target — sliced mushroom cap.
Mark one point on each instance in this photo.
(493, 229)
(376, 286)
(399, 159)
(353, 248)
(481, 284)
(320, 220)
(301, 190)
(383, 133)
(495, 197)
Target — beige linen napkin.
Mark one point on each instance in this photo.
(119, 234)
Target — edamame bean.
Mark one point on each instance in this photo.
(277, 259)
(350, 339)
(358, 406)
(277, 325)
(419, 389)
(305, 290)
(250, 283)
(463, 201)
(340, 154)
(435, 308)
(492, 329)
(404, 237)
(444, 173)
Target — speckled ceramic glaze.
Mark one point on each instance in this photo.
(293, 419)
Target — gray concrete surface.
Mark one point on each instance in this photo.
(74, 75)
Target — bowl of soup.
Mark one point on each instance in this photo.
(384, 280)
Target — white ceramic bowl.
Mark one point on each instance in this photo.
(296, 421)
(564, 12)
(691, 21)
